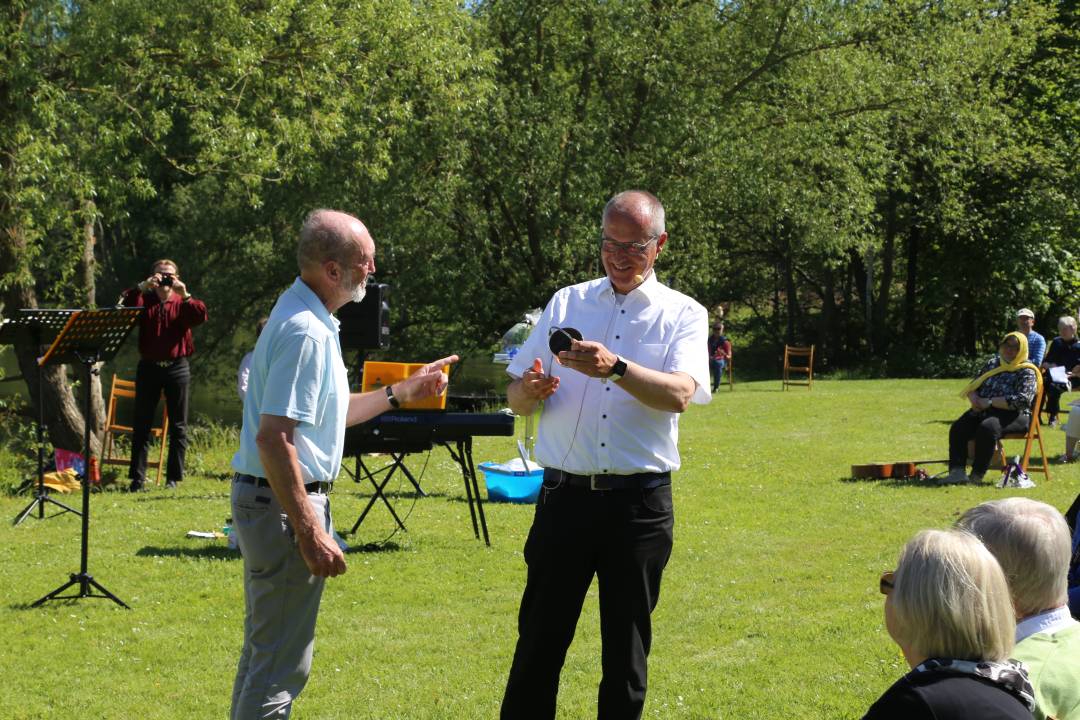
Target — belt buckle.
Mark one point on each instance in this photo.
(592, 484)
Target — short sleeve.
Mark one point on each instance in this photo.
(294, 379)
(689, 350)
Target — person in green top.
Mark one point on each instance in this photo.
(1031, 541)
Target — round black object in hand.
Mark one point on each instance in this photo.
(560, 339)
(166, 280)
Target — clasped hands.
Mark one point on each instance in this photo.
(979, 403)
(585, 356)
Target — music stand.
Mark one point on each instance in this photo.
(88, 337)
(38, 327)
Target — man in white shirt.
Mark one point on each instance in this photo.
(295, 412)
(608, 440)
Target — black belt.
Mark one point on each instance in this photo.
(636, 481)
(166, 363)
(319, 488)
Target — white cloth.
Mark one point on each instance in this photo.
(1048, 622)
(594, 426)
(242, 375)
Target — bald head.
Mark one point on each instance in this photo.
(331, 235)
(642, 207)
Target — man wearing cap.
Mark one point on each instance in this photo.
(1025, 323)
(608, 441)
(295, 412)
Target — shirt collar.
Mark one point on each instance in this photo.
(309, 298)
(649, 290)
(1048, 622)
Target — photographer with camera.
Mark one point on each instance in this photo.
(165, 342)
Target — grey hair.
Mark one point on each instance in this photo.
(1067, 320)
(323, 240)
(951, 598)
(1031, 541)
(641, 205)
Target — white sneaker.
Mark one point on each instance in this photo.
(956, 476)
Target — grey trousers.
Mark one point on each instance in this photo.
(281, 603)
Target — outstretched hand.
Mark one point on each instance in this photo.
(428, 381)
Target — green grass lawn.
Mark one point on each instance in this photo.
(770, 607)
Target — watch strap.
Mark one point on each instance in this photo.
(394, 402)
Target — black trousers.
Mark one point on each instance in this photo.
(150, 380)
(1054, 392)
(985, 428)
(624, 537)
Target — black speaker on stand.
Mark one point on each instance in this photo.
(366, 325)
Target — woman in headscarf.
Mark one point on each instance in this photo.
(1000, 396)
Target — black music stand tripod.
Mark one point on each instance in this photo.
(90, 337)
(32, 326)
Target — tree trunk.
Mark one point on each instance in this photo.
(87, 269)
(888, 257)
(910, 283)
(62, 411)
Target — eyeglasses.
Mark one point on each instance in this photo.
(613, 246)
(887, 582)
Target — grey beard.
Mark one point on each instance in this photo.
(358, 291)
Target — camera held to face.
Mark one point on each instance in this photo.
(166, 280)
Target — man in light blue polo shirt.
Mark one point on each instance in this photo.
(297, 406)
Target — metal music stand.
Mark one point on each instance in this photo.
(89, 337)
(38, 327)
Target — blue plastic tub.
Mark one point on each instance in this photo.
(516, 486)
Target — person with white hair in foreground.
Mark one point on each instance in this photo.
(1030, 540)
(947, 606)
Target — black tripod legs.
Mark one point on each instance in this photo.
(85, 583)
(39, 502)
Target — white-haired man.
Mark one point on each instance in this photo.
(295, 412)
(1031, 541)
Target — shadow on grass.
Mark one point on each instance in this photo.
(374, 547)
(204, 552)
(895, 482)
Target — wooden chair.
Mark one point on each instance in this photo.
(125, 389)
(1034, 432)
(805, 354)
(730, 375)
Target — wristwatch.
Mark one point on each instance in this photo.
(618, 369)
(394, 402)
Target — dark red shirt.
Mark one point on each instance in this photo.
(165, 327)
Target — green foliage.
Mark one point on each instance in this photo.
(855, 173)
